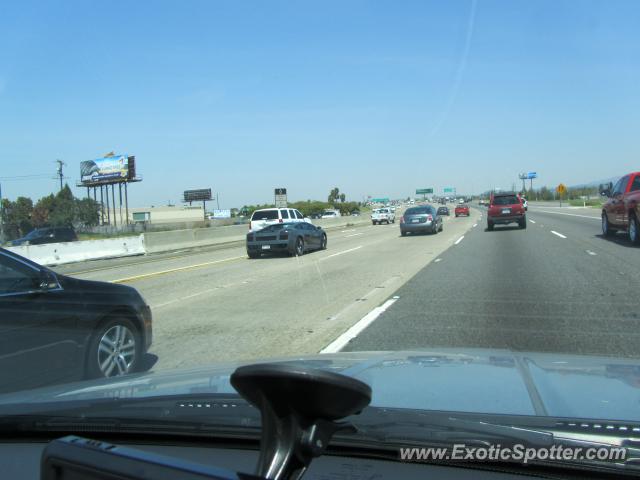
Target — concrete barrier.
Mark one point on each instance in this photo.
(69, 252)
(154, 242)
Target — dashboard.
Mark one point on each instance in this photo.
(21, 461)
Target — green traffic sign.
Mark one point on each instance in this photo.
(423, 191)
(449, 190)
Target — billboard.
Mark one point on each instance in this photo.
(423, 191)
(202, 194)
(221, 214)
(105, 170)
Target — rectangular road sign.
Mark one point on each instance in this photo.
(449, 189)
(531, 175)
(423, 191)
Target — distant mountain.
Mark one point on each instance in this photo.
(596, 183)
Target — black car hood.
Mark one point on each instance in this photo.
(468, 380)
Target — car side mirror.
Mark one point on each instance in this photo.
(47, 281)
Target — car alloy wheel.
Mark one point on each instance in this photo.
(633, 229)
(299, 247)
(114, 350)
(323, 242)
(606, 228)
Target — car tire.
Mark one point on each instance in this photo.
(607, 231)
(403, 233)
(434, 230)
(634, 230)
(373, 223)
(323, 242)
(298, 249)
(441, 227)
(119, 335)
(253, 254)
(490, 226)
(522, 223)
(393, 221)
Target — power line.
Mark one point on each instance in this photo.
(41, 176)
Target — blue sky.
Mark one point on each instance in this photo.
(376, 98)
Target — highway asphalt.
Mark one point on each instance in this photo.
(213, 305)
(557, 286)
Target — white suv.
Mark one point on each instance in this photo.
(385, 215)
(268, 216)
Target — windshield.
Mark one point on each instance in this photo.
(418, 211)
(265, 215)
(506, 200)
(163, 138)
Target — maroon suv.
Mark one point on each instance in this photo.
(505, 208)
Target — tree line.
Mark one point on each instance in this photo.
(21, 216)
(336, 200)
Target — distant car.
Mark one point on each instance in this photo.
(462, 210)
(355, 213)
(269, 216)
(331, 214)
(505, 208)
(382, 215)
(41, 236)
(57, 328)
(443, 211)
(315, 215)
(422, 219)
(290, 238)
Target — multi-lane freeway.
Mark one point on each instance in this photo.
(556, 286)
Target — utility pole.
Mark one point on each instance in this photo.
(59, 171)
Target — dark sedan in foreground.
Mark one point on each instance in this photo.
(290, 238)
(422, 219)
(55, 328)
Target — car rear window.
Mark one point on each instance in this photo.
(418, 211)
(505, 200)
(265, 215)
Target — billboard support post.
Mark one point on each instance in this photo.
(108, 209)
(113, 199)
(126, 202)
(120, 192)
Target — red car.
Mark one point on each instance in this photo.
(462, 210)
(505, 208)
(622, 210)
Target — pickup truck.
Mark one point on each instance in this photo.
(622, 211)
(383, 215)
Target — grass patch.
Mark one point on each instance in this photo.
(595, 203)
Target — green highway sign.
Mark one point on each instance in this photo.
(423, 191)
(380, 200)
(449, 189)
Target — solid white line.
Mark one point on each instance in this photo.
(475, 225)
(532, 221)
(341, 253)
(437, 260)
(459, 240)
(570, 214)
(591, 253)
(340, 342)
(353, 235)
(558, 234)
(346, 231)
